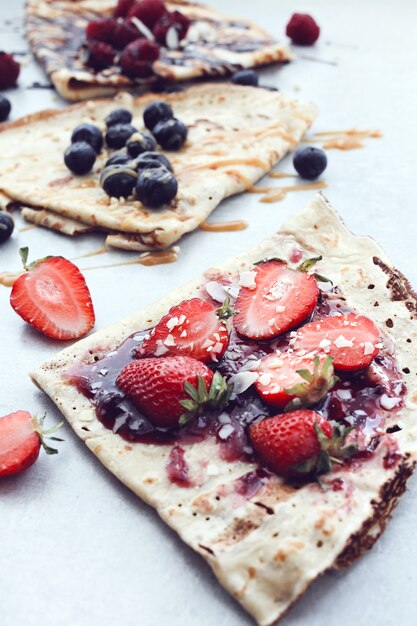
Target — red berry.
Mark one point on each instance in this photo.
(302, 29)
(9, 70)
(101, 30)
(123, 7)
(279, 299)
(148, 11)
(137, 58)
(99, 55)
(285, 441)
(156, 386)
(53, 297)
(191, 328)
(124, 33)
(350, 339)
(178, 20)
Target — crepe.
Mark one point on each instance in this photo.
(215, 46)
(267, 550)
(236, 135)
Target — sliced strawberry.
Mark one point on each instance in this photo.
(276, 299)
(350, 339)
(192, 328)
(53, 297)
(21, 437)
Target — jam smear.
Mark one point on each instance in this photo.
(249, 484)
(177, 468)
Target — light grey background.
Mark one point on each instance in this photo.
(76, 547)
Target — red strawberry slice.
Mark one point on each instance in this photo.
(276, 299)
(20, 441)
(351, 339)
(53, 297)
(192, 328)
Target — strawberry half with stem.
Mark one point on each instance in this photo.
(193, 328)
(52, 296)
(301, 443)
(21, 437)
(278, 299)
(162, 388)
(351, 340)
(287, 380)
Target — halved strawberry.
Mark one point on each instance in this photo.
(21, 437)
(274, 299)
(52, 296)
(285, 377)
(350, 339)
(192, 328)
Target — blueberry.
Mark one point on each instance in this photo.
(156, 112)
(170, 134)
(118, 181)
(310, 162)
(246, 77)
(156, 187)
(118, 134)
(5, 108)
(118, 116)
(6, 226)
(151, 160)
(80, 157)
(140, 142)
(90, 134)
(120, 157)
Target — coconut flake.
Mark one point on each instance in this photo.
(279, 308)
(207, 343)
(184, 333)
(242, 381)
(325, 344)
(224, 418)
(225, 431)
(172, 322)
(265, 379)
(247, 279)
(344, 394)
(250, 365)
(388, 403)
(172, 39)
(142, 28)
(368, 348)
(215, 290)
(342, 342)
(160, 348)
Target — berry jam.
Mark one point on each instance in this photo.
(368, 399)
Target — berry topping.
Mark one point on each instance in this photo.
(80, 157)
(246, 77)
(118, 134)
(5, 108)
(273, 299)
(139, 143)
(310, 162)
(148, 11)
(6, 226)
(172, 390)
(350, 339)
(156, 187)
(52, 296)
(302, 29)
(101, 30)
(118, 116)
(156, 112)
(118, 158)
(171, 28)
(90, 134)
(21, 437)
(123, 7)
(193, 328)
(152, 160)
(118, 181)
(170, 134)
(9, 71)
(300, 443)
(99, 55)
(124, 33)
(137, 58)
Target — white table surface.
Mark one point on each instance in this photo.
(76, 547)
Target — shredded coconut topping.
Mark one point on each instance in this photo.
(342, 342)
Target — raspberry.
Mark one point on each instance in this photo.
(148, 11)
(99, 55)
(302, 29)
(101, 30)
(176, 19)
(9, 70)
(123, 7)
(137, 58)
(124, 33)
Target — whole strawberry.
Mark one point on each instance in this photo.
(137, 58)
(9, 70)
(21, 437)
(302, 29)
(148, 11)
(172, 390)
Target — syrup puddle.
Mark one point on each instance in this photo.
(223, 227)
(282, 175)
(103, 250)
(276, 194)
(344, 139)
(148, 259)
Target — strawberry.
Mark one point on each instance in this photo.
(286, 377)
(276, 299)
(302, 29)
(52, 296)
(101, 30)
(9, 70)
(300, 443)
(175, 20)
(162, 388)
(351, 340)
(21, 437)
(192, 328)
(123, 7)
(137, 58)
(148, 11)
(99, 55)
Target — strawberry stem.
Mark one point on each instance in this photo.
(318, 384)
(46, 434)
(202, 399)
(225, 311)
